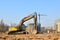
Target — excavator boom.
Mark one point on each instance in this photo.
(28, 18)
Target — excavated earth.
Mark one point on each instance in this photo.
(50, 36)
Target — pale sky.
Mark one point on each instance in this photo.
(12, 11)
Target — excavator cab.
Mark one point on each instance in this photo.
(20, 29)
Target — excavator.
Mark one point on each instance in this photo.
(18, 29)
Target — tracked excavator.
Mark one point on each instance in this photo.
(19, 29)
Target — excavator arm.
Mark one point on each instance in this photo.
(28, 18)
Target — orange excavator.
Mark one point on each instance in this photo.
(18, 29)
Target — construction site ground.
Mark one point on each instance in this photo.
(50, 36)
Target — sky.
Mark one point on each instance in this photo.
(12, 11)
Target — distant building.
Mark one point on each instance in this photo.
(47, 29)
(43, 30)
(39, 28)
(57, 25)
